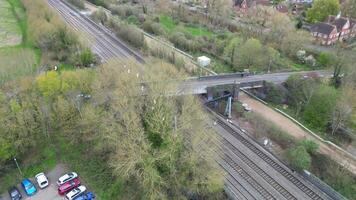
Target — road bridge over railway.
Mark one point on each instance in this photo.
(200, 85)
(251, 172)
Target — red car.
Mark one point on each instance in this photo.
(68, 186)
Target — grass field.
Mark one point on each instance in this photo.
(169, 24)
(20, 58)
(10, 31)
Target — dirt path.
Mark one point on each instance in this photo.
(296, 131)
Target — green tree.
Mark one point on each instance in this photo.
(86, 58)
(249, 55)
(321, 9)
(49, 83)
(300, 92)
(318, 112)
(299, 158)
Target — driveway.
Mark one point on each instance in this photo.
(50, 192)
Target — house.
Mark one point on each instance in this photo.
(324, 33)
(342, 24)
(333, 29)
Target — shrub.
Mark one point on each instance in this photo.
(77, 3)
(131, 34)
(86, 58)
(100, 16)
(299, 158)
(122, 11)
(309, 145)
(62, 44)
(132, 19)
(154, 28)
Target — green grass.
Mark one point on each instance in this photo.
(42, 160)
(16, 62)
(21, 59)
(171, 26)
(10, 30)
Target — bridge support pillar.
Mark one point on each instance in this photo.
(209, 93)
(236, 90)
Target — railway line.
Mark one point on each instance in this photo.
(103, 41)
(252, 174)
(265, 169)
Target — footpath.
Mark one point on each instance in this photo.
(288, 126)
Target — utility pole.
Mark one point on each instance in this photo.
(18, 167)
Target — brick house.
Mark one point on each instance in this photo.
(324, 33)
(342, 24)
(333, 29)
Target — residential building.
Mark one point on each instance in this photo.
(324, 33)
(333, 29)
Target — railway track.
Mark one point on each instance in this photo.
(289, 176)
(105, 43)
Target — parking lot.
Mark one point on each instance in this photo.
(48, 193)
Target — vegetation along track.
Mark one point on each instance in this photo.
(309, 192)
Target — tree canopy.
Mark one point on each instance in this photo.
(321, 9)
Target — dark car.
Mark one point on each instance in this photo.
(14, 193)
(87, 196)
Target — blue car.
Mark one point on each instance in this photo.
(87, 196)
(29, 187)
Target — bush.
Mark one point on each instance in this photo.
(131, 34)
(61, 44)
(132, 19)
(122, 11)
(299, 158)
(153, 27)
(86, 58)
(325, 59)
(98, 3)
(100, 16)
(77, 3)
(274, 93)
(309, 145)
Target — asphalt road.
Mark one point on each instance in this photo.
(48, 193)
(199, 85)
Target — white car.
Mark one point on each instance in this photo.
(66, 177)
(42, 180)
(76, 192)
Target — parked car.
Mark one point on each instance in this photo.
(14, 193)
(87, 196)
(68, 186)
(75, 192)
(42, 180)
(29, 187)
(66, 177)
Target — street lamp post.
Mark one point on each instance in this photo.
(18, 167)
